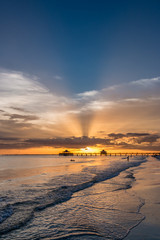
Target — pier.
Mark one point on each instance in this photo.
(117, 154)
(104, 153)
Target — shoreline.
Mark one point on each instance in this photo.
(146, 187)
(101, 192)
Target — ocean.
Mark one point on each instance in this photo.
(50, 197)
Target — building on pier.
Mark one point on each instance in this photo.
(66, 153)
(103, 152)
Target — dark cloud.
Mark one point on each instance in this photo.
(116, 135)
(19, 109)
(8, 139)
(10, 124)
(148, 139)
(73, 142)
(14, 118)
(2, 111)
(142, 141)
(121, 135)
(22, 117)
(13, 128)
(137, 134)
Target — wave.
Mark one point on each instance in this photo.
(157, 157)
(17, 214)
(5, 212)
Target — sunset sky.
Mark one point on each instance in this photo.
(78, 74)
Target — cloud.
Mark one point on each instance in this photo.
(148, 139)
(82, 142)
(142, 91)
(20, 91)
(22, 117)
(72, 142)
(22, 97)
(57, 77)
(116, 135)
(19, 109)
(120, 135)
(8, 139)
(87, 94)
(126, 106)
(130, 111)
(137, 137)
(146, 82)
(137, 134)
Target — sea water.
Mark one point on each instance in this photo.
(51, 197)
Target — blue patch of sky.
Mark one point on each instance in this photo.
(90, 44)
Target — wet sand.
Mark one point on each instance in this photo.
(85, 201)
(89, 198)
(147, 186)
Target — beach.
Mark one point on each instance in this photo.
(147, 186)
(51, 197)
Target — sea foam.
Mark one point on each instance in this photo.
(17, 214)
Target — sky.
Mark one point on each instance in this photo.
(78, 74)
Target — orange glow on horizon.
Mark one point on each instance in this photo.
(51, 150)
(90, 150)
